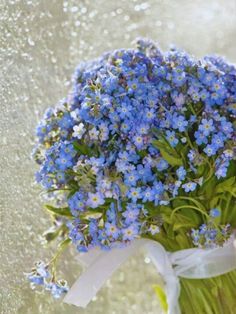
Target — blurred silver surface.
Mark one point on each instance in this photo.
(40, 44)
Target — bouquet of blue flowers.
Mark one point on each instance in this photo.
(144, 146)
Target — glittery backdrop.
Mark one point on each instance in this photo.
(40, 44)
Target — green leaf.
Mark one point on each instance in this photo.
(168, 153)
(182, 221)
(142, 153)
(159, 144)
(83, 149)
(171, 159)
(214, 201)
(59, 211)
(51, 234)
(62, 245)
(161, 296)
(169, 231)
(225, 185)
(182, 240)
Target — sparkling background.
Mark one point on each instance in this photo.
(40, 44)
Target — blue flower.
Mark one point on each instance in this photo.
(39, 274)
(215, 212)
(134, 194)
(218, 140)
(149, 115)
(148, 195)
(131, 213)
(138, 141)
(112, 230)
(130, 232)
(195, 236)
(170, 136)
(192, 154)
(206, 126)
(95, 200)
(179, 122)
(145, 173)
(76, 203)
(64, 161)
(226, 127)
(189, 186)
(211, 234)
(179, 78)
(181, 173)
(131, 178)
(200, 137)
(58, 288)
(210, 150)
(42, 131)
(162, 164)
(221, 171)
(47, 181)
(124, 111)
(111, 213)
(65, 121)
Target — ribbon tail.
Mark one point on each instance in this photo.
(161, 260)
(97, 273)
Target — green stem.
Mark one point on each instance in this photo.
(191, 199)
(188, 140)
(211, 170)
(188, 206)
(208, 296)
(193, 111)
(61, 247)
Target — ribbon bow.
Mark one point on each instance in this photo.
(190, 263)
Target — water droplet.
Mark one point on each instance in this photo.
(31, 42)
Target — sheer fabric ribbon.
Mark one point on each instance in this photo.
(190, 263)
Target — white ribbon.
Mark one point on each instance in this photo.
(189, 263)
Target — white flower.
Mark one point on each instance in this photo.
(75, 114)
(154, 229)
(228, 153)
(79, 130)
(93, 134)
(104, 132)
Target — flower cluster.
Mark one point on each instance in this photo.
(210, 234)
(143, 145)
(40, 276)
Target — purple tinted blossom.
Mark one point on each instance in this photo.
(95, 200)
(192, 154)
(130, 232)
(131, 213)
